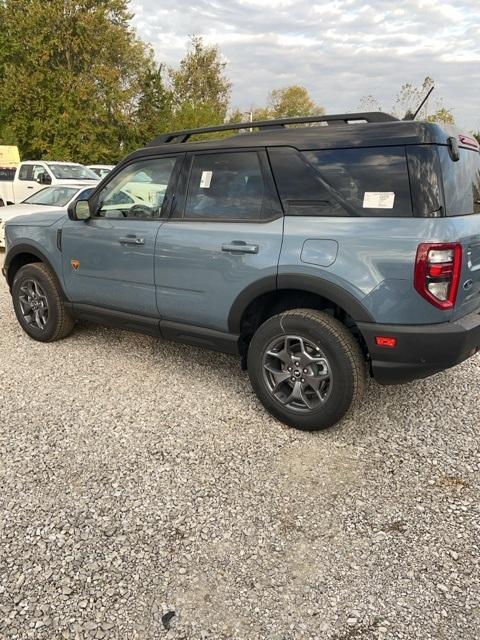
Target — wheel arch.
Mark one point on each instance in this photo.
(273, 288)
(22, 254)
(266, 298)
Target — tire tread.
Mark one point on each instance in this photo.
(65, 322)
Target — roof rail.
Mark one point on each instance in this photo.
(342, 118)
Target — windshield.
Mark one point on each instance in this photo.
(72, 172)
(53, 196)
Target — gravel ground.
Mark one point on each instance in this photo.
(145, 494)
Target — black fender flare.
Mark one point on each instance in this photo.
(17, 250)
(299, 282)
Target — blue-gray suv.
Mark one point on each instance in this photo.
(318, 254)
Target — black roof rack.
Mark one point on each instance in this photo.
(342, 118)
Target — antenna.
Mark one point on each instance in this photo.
(411, 116)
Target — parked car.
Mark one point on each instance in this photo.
(48, 199)
(101, 170)
(32, 176)
(317, 254)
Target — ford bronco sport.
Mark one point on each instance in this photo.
(319, 254)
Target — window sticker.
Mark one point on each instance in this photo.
(378, 199)
(206, 179)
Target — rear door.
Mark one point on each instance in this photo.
(461, 182)
(224, 236)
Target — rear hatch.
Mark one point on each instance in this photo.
(460, 164)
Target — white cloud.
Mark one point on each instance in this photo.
(340, 50)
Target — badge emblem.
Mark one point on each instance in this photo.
(75, 264)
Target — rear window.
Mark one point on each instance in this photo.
(7, 174)
(343, 182)
(461, 182)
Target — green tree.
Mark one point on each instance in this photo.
(292, 101)
(72, 78)
(153, 113)
(289, 102)
(442, 115)
(409, 99)
(201, 90)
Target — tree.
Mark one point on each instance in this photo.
(201, 90)
(72, 78)
(153, 112)
(288, 102)
(292, 101)
(369, 103)
(442, 115)
(409, 99)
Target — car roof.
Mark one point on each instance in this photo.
(392, 133)
(78, 164)
(69, 185)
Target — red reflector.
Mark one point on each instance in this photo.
(436, 270)
(386, 341)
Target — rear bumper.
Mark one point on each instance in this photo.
(421, 350)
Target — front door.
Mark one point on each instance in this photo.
(224, 235)
(27, 184)
(108, 259)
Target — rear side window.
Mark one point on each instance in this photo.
(370, 182)
(301, 188)
(343, 182)
(461, 182)
(226, 186)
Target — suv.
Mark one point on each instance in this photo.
(319, 254)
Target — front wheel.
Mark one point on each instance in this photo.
(39, 305)
(306, 368)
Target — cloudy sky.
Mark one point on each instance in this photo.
(340, 50)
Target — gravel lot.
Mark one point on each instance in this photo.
(144, 493)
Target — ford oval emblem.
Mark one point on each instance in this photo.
(468, 284)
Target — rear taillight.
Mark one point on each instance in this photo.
(437, 273)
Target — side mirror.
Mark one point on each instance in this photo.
(79, 210)
(44, 178)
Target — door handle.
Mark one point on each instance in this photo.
(131, 240)
(238, 246)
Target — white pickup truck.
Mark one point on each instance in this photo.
(32, 176)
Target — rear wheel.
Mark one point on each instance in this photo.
(39, 305)
(306, 368)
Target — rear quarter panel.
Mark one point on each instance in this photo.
(375, 261)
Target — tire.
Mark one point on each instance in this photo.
(327, 368)
(38, 304)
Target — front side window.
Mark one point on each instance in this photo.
(71, 172)
(52, 196)
(38, 171)
(30, 172)
(226, 186)
(138, 191)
